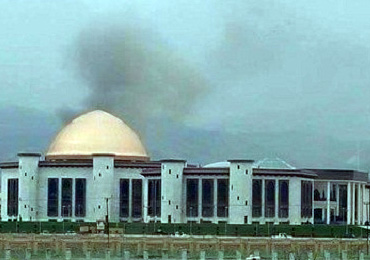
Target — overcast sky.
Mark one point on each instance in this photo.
(201, 80)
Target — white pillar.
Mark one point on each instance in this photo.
(60, 198)
(130, 200)
(145, 200)
(215, 191)
(295, 186)
(337, 198)
(263, 201)
(200, 192)
(72, 212)
(276, 201)
(359, 202)
(313, 203)
(328, 203)
(349, 207)
(364, 217)
(353, 203)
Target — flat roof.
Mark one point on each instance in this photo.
(340, 174)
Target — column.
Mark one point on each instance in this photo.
(73, 198)
(200, 194)
(215, 191)
(359, 202)
(60, 198)
(145, 200)
(364, 217)
(337, 198)
(130, 200)
(349, 208)
(277, 184)
(263, 200)
(313, 203)
(328, 203)
(353, 222)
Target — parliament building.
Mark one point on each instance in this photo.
(97, 165)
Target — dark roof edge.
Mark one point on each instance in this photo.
(9, 165)
(29, 154)
(332, 170)
(173, 160)
(103, 155)
(240, 161)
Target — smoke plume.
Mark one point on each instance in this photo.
(278, 83)
(131, 72)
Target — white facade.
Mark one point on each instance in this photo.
(97, 169)
(103, 174)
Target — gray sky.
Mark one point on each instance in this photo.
(202, 80)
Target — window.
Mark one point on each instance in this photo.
(137, 188)
(53, 191)
(13, 197)
(306, 199)
(257, 198)
(192, 195)
(283, 199)
(269, 198)
(207, 197)
(124, 198)
(66, 197)
(154, 198)
(80, 197)
(222, 198)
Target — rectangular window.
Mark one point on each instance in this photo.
(192, 197)
(207, 197)
(124, 198)
(137, 189)
(66, 197)
(13, 197)
(154, 198)
(53, 191)
(283, 199)
(343, 203)
(257, 198)
(80, 199)
(306, 199)
(222, 198)
(269, 198)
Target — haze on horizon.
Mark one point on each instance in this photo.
(206, 81)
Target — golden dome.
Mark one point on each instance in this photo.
(97, 132)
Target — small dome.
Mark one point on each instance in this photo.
(218, 165)
(273, 163)
(97, 132)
